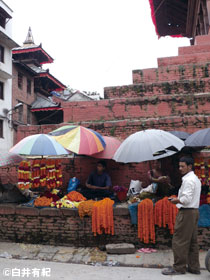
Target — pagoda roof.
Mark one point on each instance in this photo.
(42, 55)
(170, 17)
(53, 83)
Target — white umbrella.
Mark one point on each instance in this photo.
(150, 144)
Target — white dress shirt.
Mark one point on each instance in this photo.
(190, 191)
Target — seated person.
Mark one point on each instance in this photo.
(99, 183)
(160, 185)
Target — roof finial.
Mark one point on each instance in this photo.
(29, 38)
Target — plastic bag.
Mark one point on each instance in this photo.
(135, 187)
(73, 184)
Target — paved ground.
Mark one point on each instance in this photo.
(56, 271)
(92, 256)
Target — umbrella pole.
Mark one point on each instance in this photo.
(150, 165)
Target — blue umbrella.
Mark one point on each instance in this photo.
(180, 134)
(200, 138)
(39, 145)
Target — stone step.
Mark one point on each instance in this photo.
(120, 249)
(184, 59)
(158, 88)
(194, 49)
(172, 73)
(202, 40)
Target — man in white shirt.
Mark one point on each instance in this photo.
(184, 243)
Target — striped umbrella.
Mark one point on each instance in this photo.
(39, 145)
(7, 158)
(81, 140)
(112, 144)
(62, 130)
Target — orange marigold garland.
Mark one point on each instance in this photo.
(35, 173)
(102, 217)
(165, 214)
(24, 175)
(146, 227)
(58, 173)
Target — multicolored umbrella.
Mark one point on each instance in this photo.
(112, 144)
(62, 130)
(7, 158)
(39, 145)
(82, 141)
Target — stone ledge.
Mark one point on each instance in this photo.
(121, 211)
(69, 212)
(26, 211)
(7, 209)
(50, 212)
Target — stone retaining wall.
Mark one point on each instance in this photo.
(64, 227)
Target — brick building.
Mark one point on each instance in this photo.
(6, 45)
(32, 85)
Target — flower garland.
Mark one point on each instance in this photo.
(200, 170)
(35, 173)
(24, 175)
(102, 217)
(58, 173)
(50, 173)
(40, 173)
(146, 227)
(85, 208)
(165, 214)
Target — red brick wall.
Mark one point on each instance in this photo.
(64, 227)
(137, 108)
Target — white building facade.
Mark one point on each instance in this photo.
(6, 46)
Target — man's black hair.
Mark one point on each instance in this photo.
(188, 161)
(102, 162)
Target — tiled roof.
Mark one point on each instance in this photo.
(43, 102)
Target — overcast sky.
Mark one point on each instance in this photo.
(94, 43)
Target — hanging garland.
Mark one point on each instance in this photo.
(35, 173)
(200, 170)
(58, 173)
(41, 173)
(102, 217)
(165, 214)
(146, 227)
(50, 174)
(24, 175)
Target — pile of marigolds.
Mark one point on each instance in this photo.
(102, 217)
(43, 201)
(85, 208)
(75, 196)
(163, 214)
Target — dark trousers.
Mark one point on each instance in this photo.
(184, 243)
(92, 194)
